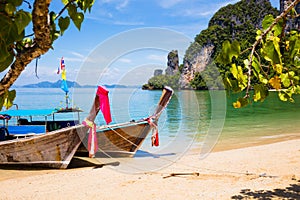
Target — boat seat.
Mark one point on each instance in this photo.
(18, 136)
(23, 121)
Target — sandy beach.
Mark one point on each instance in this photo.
(270, 171)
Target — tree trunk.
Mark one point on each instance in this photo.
(42, 43)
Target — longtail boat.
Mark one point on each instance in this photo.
(50, 144)
(125, 139)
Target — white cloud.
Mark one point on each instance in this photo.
(197, 13)
(124, 60)
(128, 23)
(160, 58)
(201, 9)
(117, 4)
(169, 3)
(122, 5)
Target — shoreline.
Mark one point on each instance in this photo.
(262, 170)
(238, 143)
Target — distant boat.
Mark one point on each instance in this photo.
(125, 139)
(47, 143)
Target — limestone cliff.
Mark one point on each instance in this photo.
(195, 63)
(173, 63)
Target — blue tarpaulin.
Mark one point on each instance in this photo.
(26, 129)
(23, 113)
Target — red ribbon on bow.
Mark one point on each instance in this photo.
(154, 137)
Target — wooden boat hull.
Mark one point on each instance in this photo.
(50, 150)
(119, 140)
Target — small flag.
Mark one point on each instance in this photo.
(62, 64)
(64, 85)
(63, 75)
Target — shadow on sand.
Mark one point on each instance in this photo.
(81, 161)
(290, 192)
(76, 162)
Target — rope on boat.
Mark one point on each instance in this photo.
(122, 137)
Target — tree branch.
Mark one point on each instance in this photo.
(43, 42)
(64, 8)
(282, 15)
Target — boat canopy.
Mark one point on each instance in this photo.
(37, 112)
(23, 113)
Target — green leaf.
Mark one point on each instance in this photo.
(2, 101)
(234, 71)
(276, 41)
(286, 95)
(9, 98)
(78, 19)
(262, 79)
(277, 29)
(10, 8)
(270, 53)
(235, 49)
(260, 92)
(6, 63)
(88, 5)
(223, 56)
(9, 31)
(228, 52)
(255, 65)
(294, 47)
(297, 89)
(65, 2)
(16, 3)
(3, 51)
(63, 23)
(267, 21)
(72, 10)
(283, 96)
(285, 80)
(22, 20)
(241, 102)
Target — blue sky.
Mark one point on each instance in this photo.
(114, 19)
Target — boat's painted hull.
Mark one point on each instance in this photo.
(120, 139)
(51, 150)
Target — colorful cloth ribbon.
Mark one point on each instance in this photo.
(154, 137)
(92, 138)
(104, 103)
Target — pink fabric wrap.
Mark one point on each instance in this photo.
(104, 103)
(92, 138)
(102, 93)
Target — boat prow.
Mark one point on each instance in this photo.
(124, 139)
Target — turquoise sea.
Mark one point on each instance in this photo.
(192, 117)
(200, 121)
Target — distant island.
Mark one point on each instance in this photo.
(71, 84)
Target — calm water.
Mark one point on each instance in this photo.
(201, 117)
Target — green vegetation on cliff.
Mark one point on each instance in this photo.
(233, 22)
(236, 22)
(158, 82)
